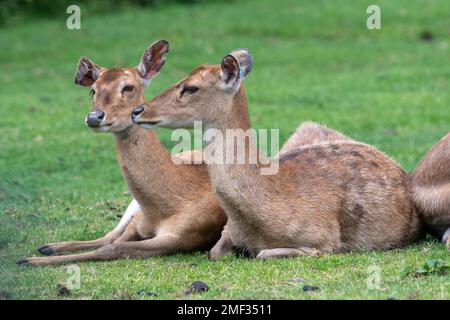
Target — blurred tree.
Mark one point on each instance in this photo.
(14, 11)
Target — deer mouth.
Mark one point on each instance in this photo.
(102, 128)
(106, 125)
(148, 124)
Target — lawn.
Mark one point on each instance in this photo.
(313, 60)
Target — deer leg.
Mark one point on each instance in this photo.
(223, 247)
(437, 230)
(446, 237)
(158, 246)
(69, 246)
(131, 233)
(286, 252)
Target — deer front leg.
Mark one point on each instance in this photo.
(223, 247)
(158, 246)
(286, 252)
(131, 233)
(70, 246)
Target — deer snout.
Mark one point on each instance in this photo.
(136, 112)
(95, 118)
(146, 122)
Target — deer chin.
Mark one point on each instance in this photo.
(111, 127)
(151, 124)
(102, 128)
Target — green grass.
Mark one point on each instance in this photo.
(314, 60)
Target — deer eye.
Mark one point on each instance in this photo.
(92, 92)
(189, 89)
(128, 88)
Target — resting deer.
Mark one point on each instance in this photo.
(431, 189)
(430, 180)
(333, 196)
(175, 209)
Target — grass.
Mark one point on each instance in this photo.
(314, 60)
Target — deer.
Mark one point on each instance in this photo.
(431, 189)
(328, 197)
(430, 180)
(174, 208)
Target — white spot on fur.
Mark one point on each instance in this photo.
(145, 82)
(142, 69)
(446, 236)
(161, 230)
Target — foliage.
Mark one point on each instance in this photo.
(433, 266)
(14, 11)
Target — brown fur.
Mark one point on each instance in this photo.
(179, 211)
(332, 196)
(430, 181)
(311, 133)
(431, 189)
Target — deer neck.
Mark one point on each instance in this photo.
(233, 175)
(237, 117)
(147, 168)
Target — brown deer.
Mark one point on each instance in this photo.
(430, 180)
(311, 133)
(175, 208)
(431, 189)
(332, 196)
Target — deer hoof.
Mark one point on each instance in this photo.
(446, 237)
(263, 255)
(23, 262)
(45, 250)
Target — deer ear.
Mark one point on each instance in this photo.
(153, 60)
(87, 72)
(235, 67)
(245, 61)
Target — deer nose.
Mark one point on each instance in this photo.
(137, 111)
(95, 118)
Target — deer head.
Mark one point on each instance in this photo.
(116, 91)
(198, 96)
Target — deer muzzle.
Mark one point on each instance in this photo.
(95, 118)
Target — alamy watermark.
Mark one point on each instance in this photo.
(234, 146)
(74, 277)
(374, 277)
(73, 21)
(374, 20)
